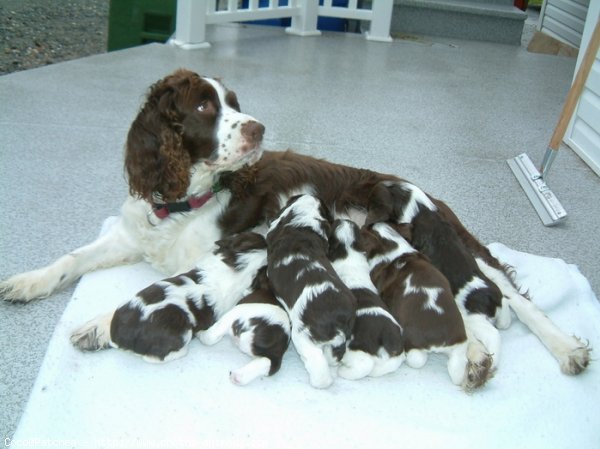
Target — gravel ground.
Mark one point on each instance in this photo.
(35, 33)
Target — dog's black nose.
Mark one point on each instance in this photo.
(253, 132)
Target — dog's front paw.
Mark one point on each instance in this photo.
(27, 286)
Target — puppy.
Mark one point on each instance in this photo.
(259, 326)
(321, 308)
(159, 322)
(432, 235)
(376, 346)
(420, 298)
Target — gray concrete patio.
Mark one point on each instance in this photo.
(445, 114)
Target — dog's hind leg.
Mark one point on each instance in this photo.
(222, 327)
(571, 353)
(482, 339)
(93, 335)
(457, 363)
(257, 367)
(314, 359)
(113, 248)
(356, 364)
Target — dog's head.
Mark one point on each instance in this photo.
(303, 212)
(189, 127)
(236, 249)
(344, 239)
(385, 241)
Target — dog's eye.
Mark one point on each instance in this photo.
(203, 106)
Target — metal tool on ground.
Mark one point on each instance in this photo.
(533, 181)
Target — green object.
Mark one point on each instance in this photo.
(139, 22)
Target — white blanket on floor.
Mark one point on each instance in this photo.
(113, 399)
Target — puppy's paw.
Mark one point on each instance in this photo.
(209, 337)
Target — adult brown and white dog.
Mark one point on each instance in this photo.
(196, 172)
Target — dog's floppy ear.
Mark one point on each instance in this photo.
(368, 239)
(155, 160)
(380, 206)
(325, 212)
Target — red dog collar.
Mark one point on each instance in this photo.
(162, 211)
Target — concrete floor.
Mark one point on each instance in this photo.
(444, 114)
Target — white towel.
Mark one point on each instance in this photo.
(113, 399)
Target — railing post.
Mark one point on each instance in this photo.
(190, 27)
(382, 19)
(305, 24)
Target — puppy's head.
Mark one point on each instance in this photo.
(188, 126)
(303, 212)
(381, 239)
(344, 238)
(235, 249)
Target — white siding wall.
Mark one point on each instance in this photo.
(583, 135)
(564, 20)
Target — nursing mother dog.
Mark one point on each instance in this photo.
(197, 172)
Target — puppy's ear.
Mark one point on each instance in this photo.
(368, 239)
(325, 212)
(326, 227)
(380, 206)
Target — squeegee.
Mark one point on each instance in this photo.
(533, 181)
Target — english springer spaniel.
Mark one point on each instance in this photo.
(197, 172)
(420, 298)
(321, 308)
(376, 346)
(259, 326)
(159, 322)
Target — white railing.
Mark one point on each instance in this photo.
(194, 15)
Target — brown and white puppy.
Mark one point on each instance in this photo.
(420, 298)
(160, 320)
(259, 326)
(321, 308)
(377, 345)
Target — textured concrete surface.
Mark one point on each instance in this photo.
(445, 114)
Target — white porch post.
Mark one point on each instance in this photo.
(190, 27)
(305, 24)
(382, 18)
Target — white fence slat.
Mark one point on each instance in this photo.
(194, 15)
